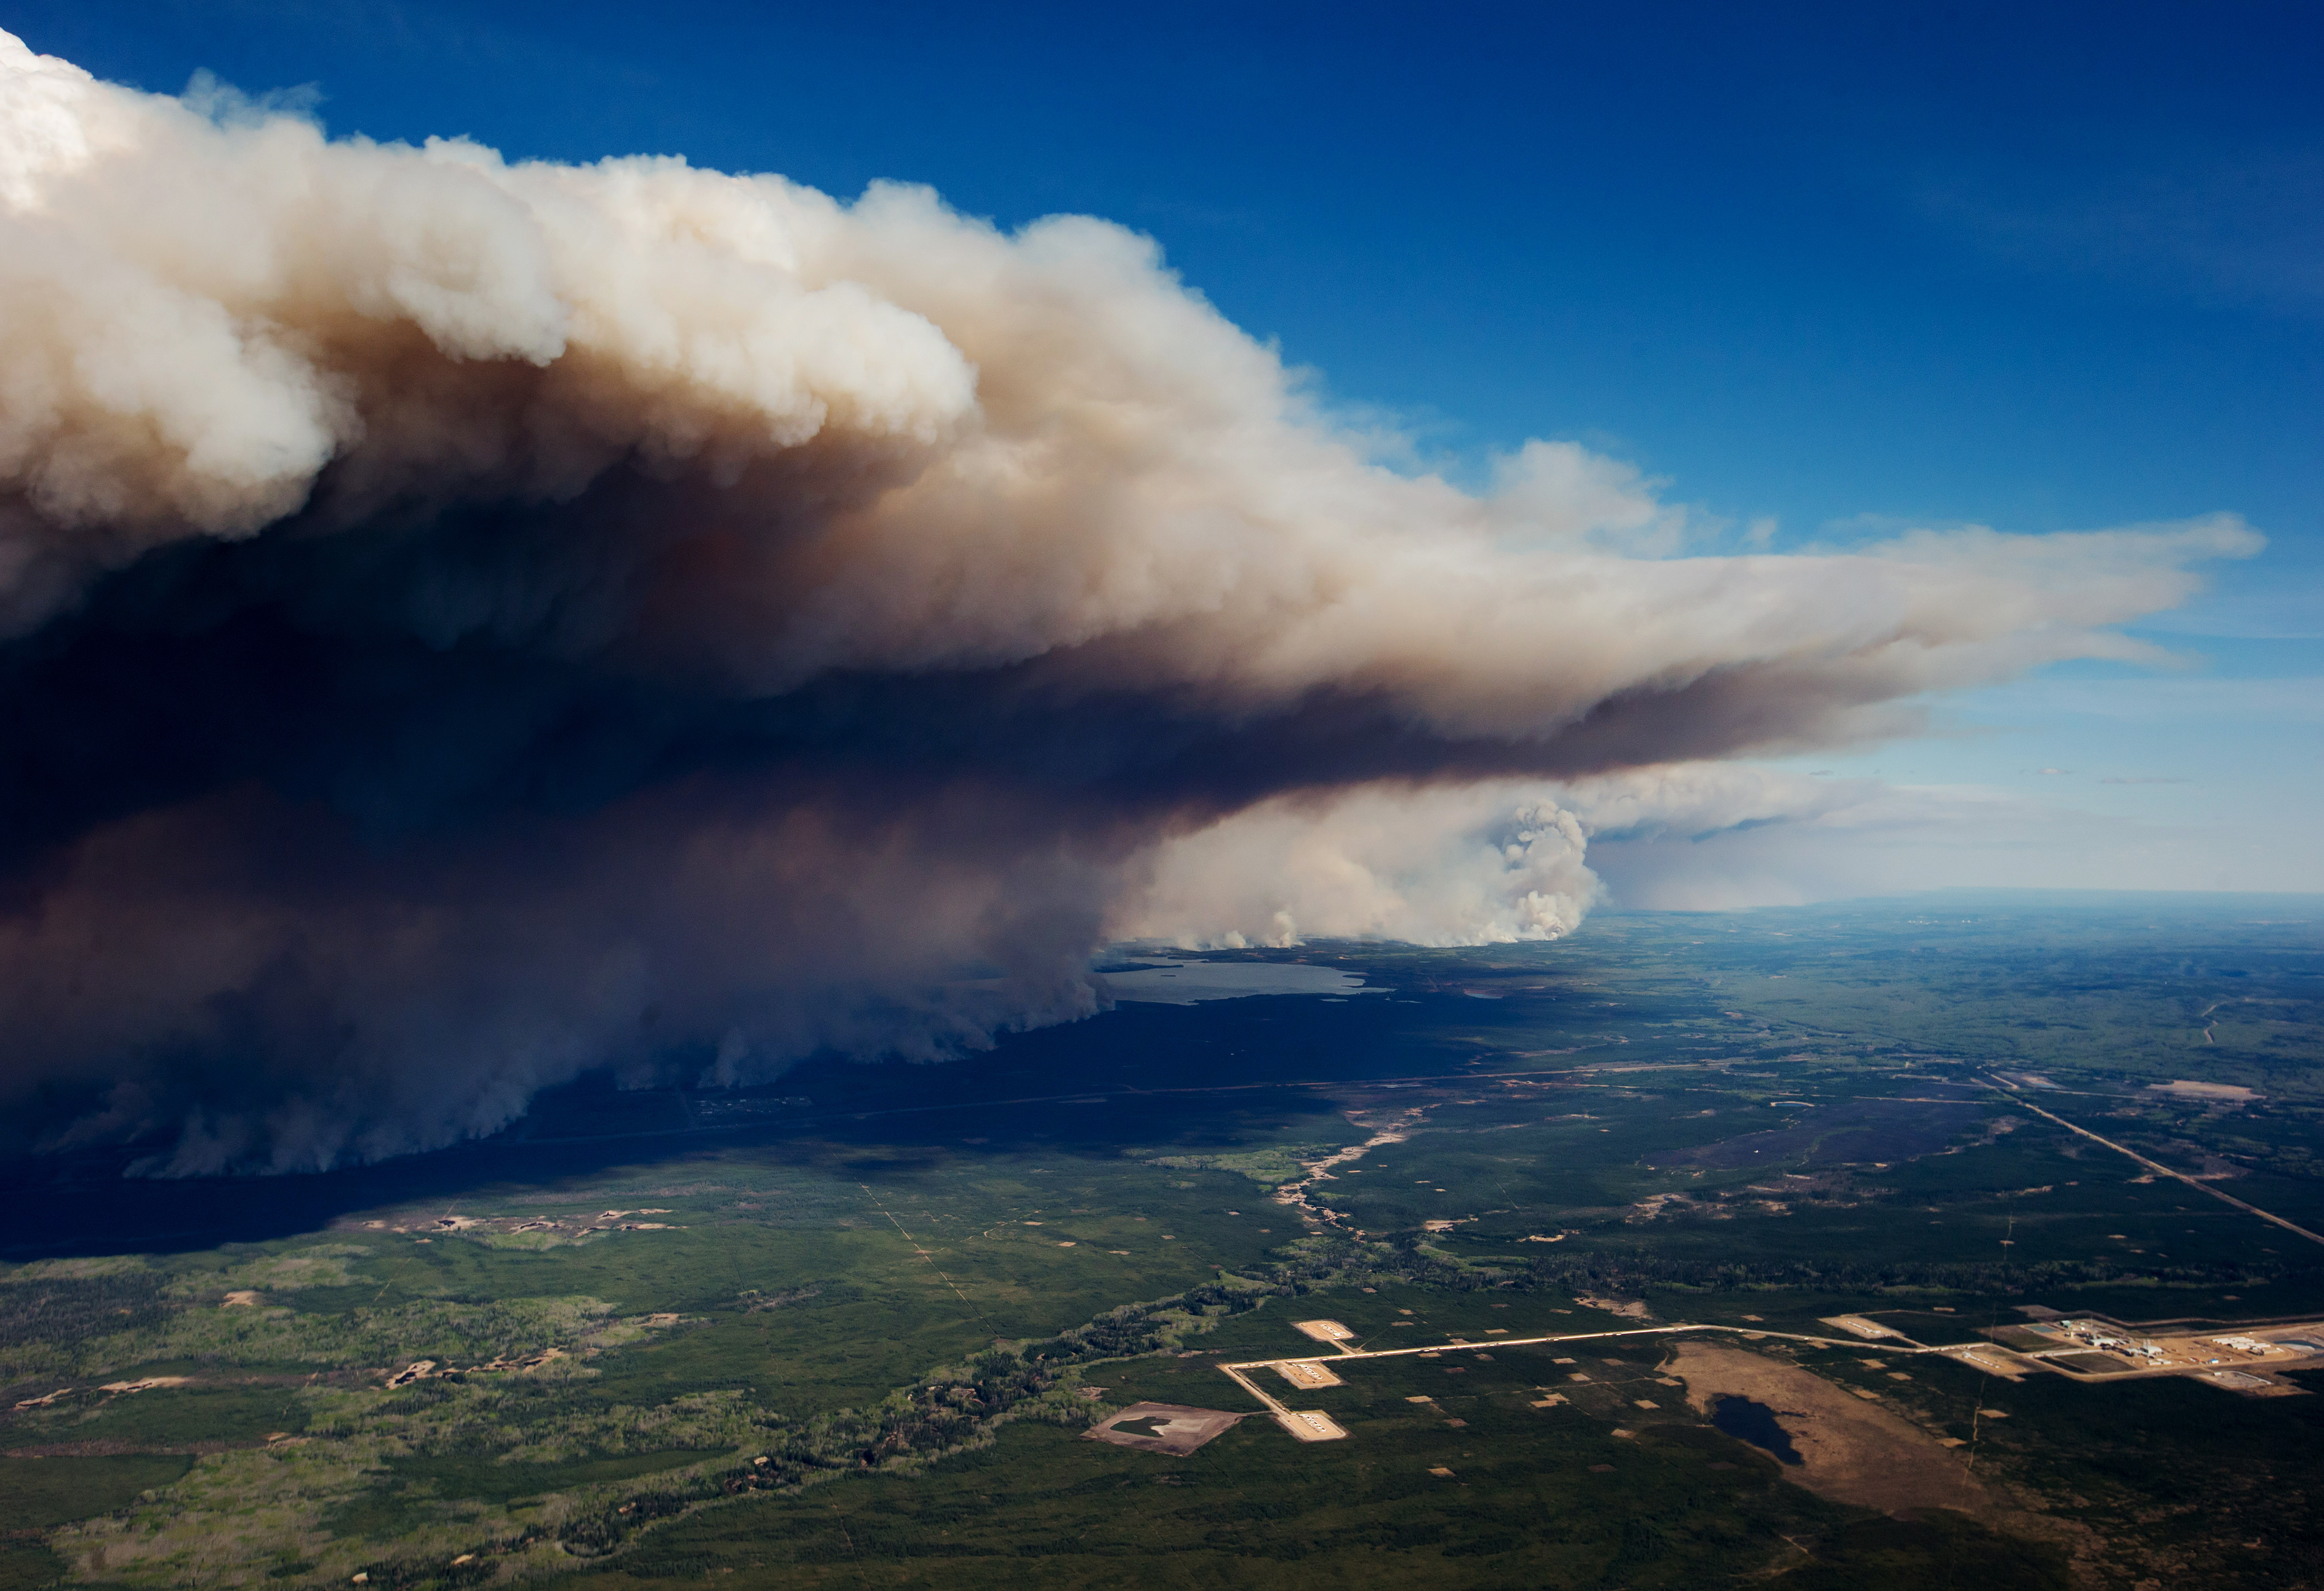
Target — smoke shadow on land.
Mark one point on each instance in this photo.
(1192, 1076)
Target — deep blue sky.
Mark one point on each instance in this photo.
(2039, 266)
(1939, 262)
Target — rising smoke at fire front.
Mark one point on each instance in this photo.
(467, 622)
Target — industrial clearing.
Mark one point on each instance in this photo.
(1163, 1427)
(2089, 1349)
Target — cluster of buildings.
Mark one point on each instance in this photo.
(2105, 1338)
(2251, 1345)
(2183, 1353)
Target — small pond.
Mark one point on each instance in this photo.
(1754, 1422)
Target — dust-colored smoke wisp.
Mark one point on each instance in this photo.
(464, 622)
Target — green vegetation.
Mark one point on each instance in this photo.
(1524, 1503)
(26, 1564)
(1269, 1168)
(1933, 1552)
(860, 1342)
(38, 1491)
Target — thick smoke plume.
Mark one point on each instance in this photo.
(461, 623)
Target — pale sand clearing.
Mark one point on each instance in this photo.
(1306, 1372)
(1850, 1450)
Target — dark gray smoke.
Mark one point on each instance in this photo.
(464, 623)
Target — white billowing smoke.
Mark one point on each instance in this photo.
(468, 622)
(1503, 861)
(1481, 865)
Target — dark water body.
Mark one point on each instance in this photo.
(1755, 1423)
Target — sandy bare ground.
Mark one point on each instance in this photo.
(1850, 1450)
(1627, 1308)
(1162, 1428)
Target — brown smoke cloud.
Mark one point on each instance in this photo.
(463, 622)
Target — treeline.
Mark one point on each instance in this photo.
(959, 1409)
(948, 1412)
(1633, 1270)
(71, 1310)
